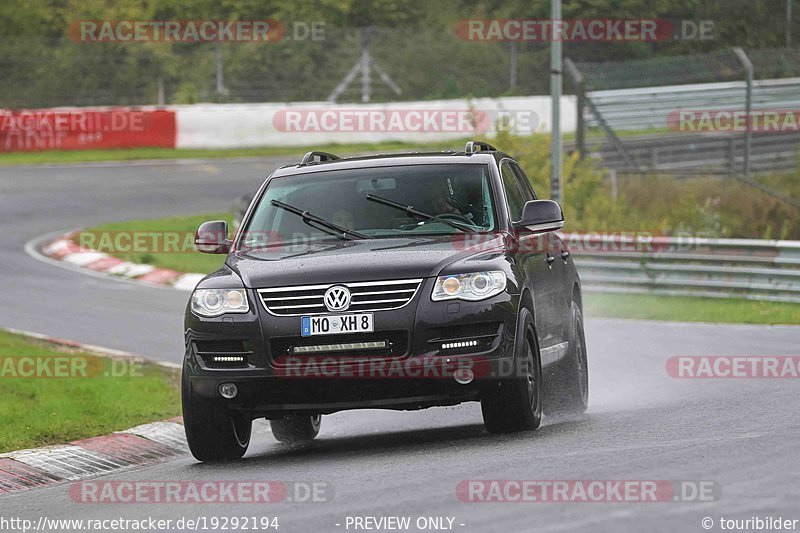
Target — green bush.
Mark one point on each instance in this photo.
(704, 206)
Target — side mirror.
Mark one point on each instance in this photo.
(541, 216)
(212, 238)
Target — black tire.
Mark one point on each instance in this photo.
(296, 429)
(572, 395)
(515, 403)
(214, 432)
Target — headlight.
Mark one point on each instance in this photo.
(473, 287)
(215, 302)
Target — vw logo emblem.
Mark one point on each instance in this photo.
(337, 298)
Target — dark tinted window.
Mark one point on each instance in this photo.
(525, 183)
(514, 195)
(456, 192)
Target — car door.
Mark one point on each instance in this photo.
(561, 296)
(532, 256)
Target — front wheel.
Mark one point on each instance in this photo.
(214, 432)
(296, 429)
(515, 402)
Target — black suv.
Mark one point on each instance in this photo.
(393, 281)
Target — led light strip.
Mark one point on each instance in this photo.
(321, 348)
(461, 344)
(228, 359)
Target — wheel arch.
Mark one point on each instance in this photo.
(577, 295)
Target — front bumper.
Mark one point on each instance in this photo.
(415, 373)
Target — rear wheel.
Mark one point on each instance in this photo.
(515, 402)
(214, 432)
(296, 429)
(572, 395)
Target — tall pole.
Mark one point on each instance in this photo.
(512, 75)
(748, 104)
(218, 59)
(580, 94)
(555, 97)
(788, 23)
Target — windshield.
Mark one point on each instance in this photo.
(376, 203)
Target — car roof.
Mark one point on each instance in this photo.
(393, 159)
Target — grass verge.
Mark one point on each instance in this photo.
(183, 227)
(689, 309)
(131, 154)
(105, 397)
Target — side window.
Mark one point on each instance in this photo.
(514, 194)
(524, 182)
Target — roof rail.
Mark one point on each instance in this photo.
(478, 146)
(322, 157)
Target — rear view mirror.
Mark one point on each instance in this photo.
(540, 216)
(212, 238)
(376, 184)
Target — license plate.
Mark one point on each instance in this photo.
(336, 324)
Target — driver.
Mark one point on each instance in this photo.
(445, 201)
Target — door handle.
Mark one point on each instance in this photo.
(550, 260)
(564, 255)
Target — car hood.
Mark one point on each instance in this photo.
(359, 260)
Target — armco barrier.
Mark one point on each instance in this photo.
(273, 124)
(243, 125)
(86, 128)
(741, 268)
(651, 107)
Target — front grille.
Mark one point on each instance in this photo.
(396, 343)
(223, 353)
(365, 296)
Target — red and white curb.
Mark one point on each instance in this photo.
(83, 459)
(143, 445)
(62, 249)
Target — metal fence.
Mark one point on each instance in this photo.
(646, 96)
(629, 114)
(744, 268)
(48, 72)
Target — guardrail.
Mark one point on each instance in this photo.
(649, 107)
(724, 268)
(708, 153)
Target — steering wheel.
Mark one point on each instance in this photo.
(455, 217)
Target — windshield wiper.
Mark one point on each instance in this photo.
(327, 226)
(416, 213)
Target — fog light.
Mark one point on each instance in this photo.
(463, 376)
(228, 390)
